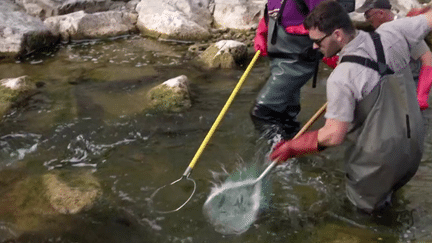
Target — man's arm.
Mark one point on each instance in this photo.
(426, 59)
(428, 15)
(332, 133)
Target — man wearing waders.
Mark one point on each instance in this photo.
(372, 104)
(282, 36)
(378, 12)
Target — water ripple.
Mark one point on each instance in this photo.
(14, 147)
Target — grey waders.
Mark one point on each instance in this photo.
(278, 103)
(386, 137)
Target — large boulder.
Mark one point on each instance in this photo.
(21, 34)
(238, 14)
(224, 54)
(180, 19)
(80, 25)
(49, 8)
(171, 96)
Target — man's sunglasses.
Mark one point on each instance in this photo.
(318, 41)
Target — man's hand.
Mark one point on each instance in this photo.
(424, 86)
(331, 61)
(260, 41)
(304, 144)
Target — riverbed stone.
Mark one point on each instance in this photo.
(71, 193)
(20, 33)
(224, 54)
(181, 19)
(35, 202)
(80, 25)
(13, 90)
(171, 96)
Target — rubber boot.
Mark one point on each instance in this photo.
(270, 123)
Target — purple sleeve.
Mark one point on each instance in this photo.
(291, 16)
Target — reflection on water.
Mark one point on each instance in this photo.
(89, 116)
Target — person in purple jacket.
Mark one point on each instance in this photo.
(282, 37)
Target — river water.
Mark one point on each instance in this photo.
(88, 115)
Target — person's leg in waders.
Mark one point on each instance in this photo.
(278, 103)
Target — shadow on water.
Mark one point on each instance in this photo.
(89, 116)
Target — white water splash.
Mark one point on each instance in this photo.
(233, 207)
(15, 147)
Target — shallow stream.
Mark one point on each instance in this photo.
(88, 115)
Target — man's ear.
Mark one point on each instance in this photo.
(338, 33)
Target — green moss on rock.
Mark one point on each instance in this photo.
(164, 99)
(213, 59)
(8, 95)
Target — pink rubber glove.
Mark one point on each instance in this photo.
(417, 11)
(331, 61)
(424, 86)
(260, 41)
(304, 144)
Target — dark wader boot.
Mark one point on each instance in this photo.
(386, 139)
(278, 103)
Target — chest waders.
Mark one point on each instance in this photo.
(385, 142)
(278, 103)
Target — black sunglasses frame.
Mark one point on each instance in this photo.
(318, 41)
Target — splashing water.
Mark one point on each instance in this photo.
(233, 206)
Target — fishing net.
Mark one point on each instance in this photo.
(234, 206)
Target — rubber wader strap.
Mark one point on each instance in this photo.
(381, 67)
(378, 46)
(278, 21)
(302, 7)
(314, 81)
(266, 15)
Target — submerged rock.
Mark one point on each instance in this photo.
(13, 90)
(224, 54)
(35, 202)
(171, 96)
(70, 196)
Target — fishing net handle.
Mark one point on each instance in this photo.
(221, 115)
(311, 120)
(308, 124)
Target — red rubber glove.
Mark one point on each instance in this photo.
(424, 86)
(260, 41)
(331, 61)
(417, 11)
(304, 144)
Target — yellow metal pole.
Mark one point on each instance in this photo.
(221, 115)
